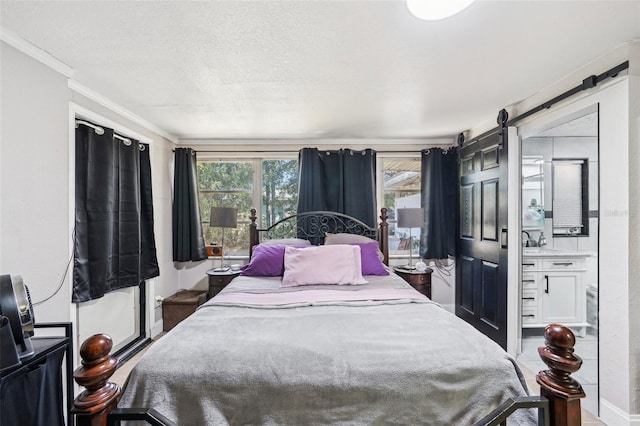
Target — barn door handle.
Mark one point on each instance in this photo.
(546, 278)
(503, 238)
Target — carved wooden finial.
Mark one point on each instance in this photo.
(562, 390)
(383, 215)
(254, 238)
(100, 396)
(562, 362)
(384, 235)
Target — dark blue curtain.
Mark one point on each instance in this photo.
(114, 244)
(439, 198)
(342, 181)
(188, 242)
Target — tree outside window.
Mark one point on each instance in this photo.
(230, 183)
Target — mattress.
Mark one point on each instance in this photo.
(379, 353)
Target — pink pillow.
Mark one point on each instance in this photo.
(371, 263)
(267, 260)
(338, 264)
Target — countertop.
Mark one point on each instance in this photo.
(552, 252)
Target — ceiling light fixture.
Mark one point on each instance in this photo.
(432, 10)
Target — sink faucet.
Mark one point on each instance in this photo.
(542, 241)
(527, 243)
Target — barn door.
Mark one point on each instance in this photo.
(481, 275)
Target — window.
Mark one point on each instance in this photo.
(401, 177)
(270, 186)
(570, 197)
(279, 190)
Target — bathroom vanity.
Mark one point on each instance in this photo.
(553, 288)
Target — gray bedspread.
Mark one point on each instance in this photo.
(402, 361)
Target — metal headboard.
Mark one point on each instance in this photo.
(314, 225)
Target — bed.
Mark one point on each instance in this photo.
(282, 346)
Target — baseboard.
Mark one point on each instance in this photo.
(156, 329)
(614, 416)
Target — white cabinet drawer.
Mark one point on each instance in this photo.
(561, 264)
(529, 315)
(529, 298)
(529, 282)
(529, 264)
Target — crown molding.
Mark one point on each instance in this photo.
(35, 52)
(114, 107)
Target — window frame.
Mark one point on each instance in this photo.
(381, 156)
(380, 159)
(581, 230)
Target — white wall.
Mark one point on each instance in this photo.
(34, 174)
(634, 231)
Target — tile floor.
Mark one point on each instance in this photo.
(586, 347)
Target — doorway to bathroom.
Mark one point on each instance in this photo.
(559, 239)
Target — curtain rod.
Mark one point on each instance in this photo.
(587, 83)
(99, 130)
(295, 152)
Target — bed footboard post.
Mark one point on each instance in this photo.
(254, 239)
(556, 384)
(384, 235)
(93, 405)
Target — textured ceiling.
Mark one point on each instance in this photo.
(319, 69)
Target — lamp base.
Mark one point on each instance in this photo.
(407, 267)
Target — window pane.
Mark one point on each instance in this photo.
(225, 176)
(570, 210)
(401, 189)
(236, 241)
(226, 184)
(279, 190)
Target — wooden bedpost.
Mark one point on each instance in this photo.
(254, 238)
(556, 384)
(93, 405)
(384, 235)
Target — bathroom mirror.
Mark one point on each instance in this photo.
(532, 193)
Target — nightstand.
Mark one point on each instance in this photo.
(421, 281)
(219, 280)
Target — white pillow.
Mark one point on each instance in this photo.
(337, 265)
(343, 238)
(286, 242)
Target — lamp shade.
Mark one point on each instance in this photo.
(410, 217)
(223, 217)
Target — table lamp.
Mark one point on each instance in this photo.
(410, 218)
(223, 217)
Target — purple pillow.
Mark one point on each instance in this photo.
(371, 264)
(267, 260)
